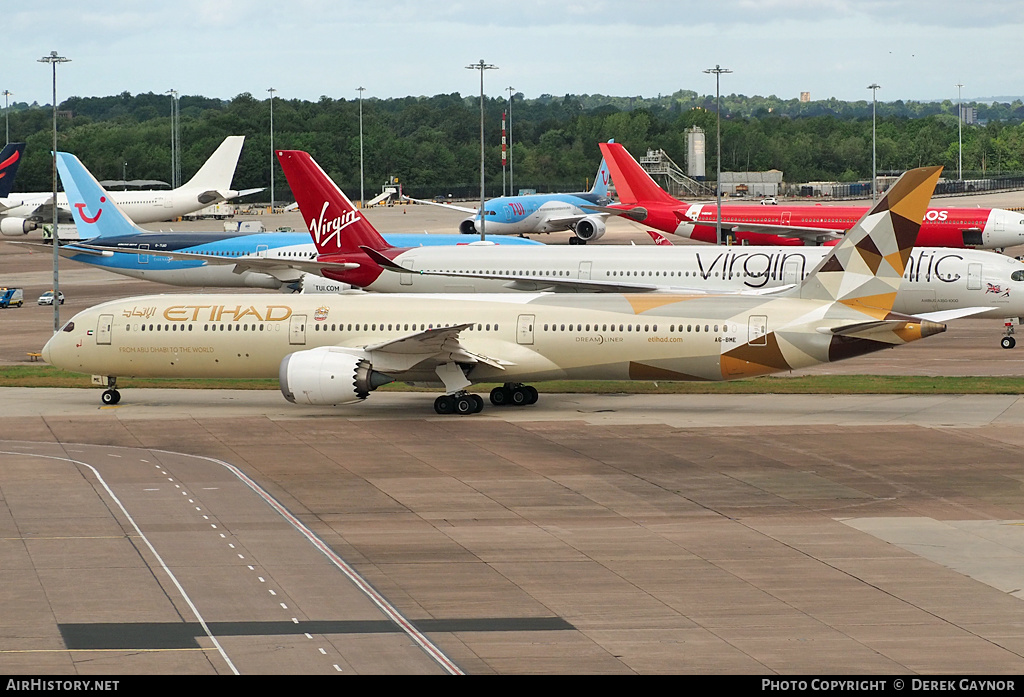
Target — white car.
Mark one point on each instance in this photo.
(47, 298)
(770, 201)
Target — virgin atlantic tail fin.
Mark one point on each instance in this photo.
(632, 183)
(335, 224)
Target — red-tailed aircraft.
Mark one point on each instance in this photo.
(647, 203)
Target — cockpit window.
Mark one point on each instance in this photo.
(69, 327)
(1017, 276)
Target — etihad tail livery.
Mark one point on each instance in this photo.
(642, 200)
(211, 184)
(539, 213)
(336, 349)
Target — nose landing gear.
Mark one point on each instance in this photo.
(1008, 341)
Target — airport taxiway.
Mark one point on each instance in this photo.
(766, 534)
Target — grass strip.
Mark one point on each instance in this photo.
(48, 376)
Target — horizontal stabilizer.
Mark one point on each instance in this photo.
(886, 326)
(449, 206)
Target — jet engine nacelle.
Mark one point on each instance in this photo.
(311, 284)
(590, 228)
(328, 376)
(16, 226)
(468, 227)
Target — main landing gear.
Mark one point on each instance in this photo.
(514, 394)
(576, 240)
(462, 403)
(511, 394)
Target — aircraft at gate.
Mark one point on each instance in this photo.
(642, 200)
(273, 260)
(211, 184)
(336, 349)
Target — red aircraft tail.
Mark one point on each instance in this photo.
(632, 183)
(335, 224)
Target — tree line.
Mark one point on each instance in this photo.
(432, 144)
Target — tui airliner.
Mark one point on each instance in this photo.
(271, 260)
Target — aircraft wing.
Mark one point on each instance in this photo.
(440, 344)
(807, 233)
(637, 213)
(569, 220)
(70, 250)
(527, 282)
(241, 264)
(449, 206)
(247, 192)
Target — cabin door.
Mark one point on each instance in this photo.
(297, 330)
(524, 330)
(103, 328)
(757, 330)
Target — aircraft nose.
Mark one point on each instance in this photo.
(46, 350)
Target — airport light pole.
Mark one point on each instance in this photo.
(511, 184)
(362, 195)
(481, 66)
(271, 90)
(874, 179)
(175, 140)
(53, 59)
(718, 70)
(959, 133)
(7, 113)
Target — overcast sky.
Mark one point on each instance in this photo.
(916, 50)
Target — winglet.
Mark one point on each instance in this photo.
(659, 238)
(95, 213)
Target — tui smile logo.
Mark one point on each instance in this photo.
(81, 211)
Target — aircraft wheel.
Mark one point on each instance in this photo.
(520, 396)
(500, 396)
(478, 403)
(574, 240)
(445, 404)
(534, 395)
(110, 397)
(465, 404)
(1008, 342)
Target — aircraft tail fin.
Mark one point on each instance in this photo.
(865, 269)
(10, 158)
(215, 176)
(95, 213)
(632, 183)
(601, 180)
(335, 224)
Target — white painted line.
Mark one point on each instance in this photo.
(160, 561)
(387, 608)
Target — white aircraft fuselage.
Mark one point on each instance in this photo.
(935, 278)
